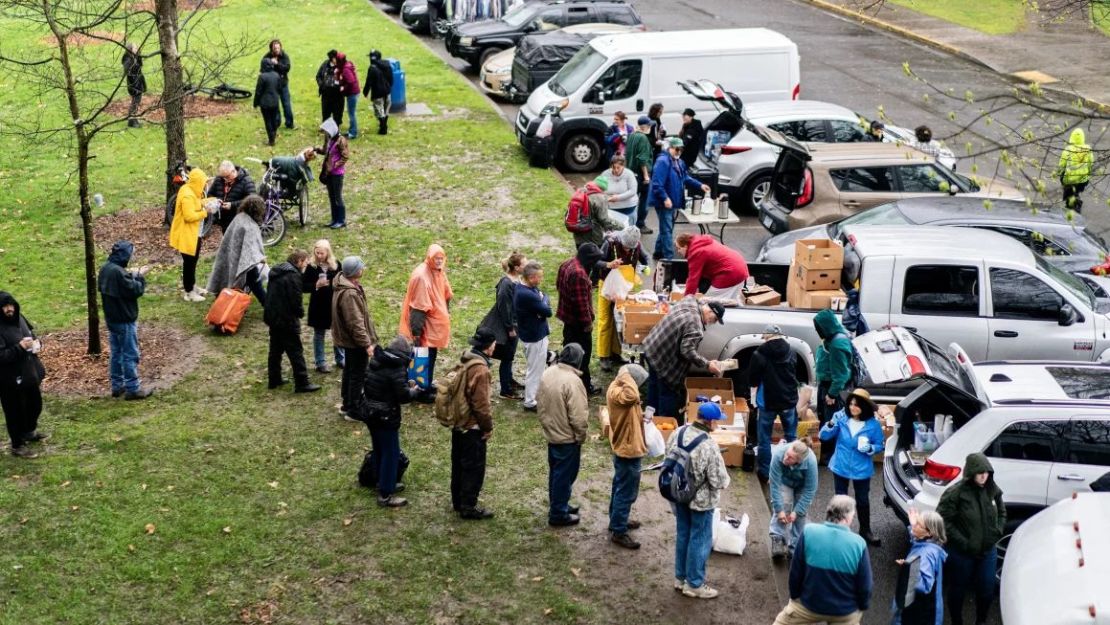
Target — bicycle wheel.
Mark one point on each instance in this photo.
(273, 228)
(302, 205)
(227, 92)
(206, 225)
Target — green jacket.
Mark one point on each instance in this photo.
(637, 154)
(974, 516)
(834, 355)
(1076, 160)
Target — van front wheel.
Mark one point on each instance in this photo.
(581, 153)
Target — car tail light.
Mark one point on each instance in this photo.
(917, 368)
(797, 92)
(940, 474)
(735, 149)
(807, 190)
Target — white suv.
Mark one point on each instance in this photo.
(1045, 426)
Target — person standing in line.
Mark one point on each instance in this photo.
(858, 436)
(385, 388)
(120, 291)
(349, 88)
(834, 372)
(564, 412)
(693, 137)
(927, 538)
(188, 213)
(772, 376)
(830, 577)
(694, 520)
(336, 151)
(658, 131)
(21, 376)
(669, 179)
(623, 199)
(379, 87)
(599, 219)
(1075, 169)
(425, 311)
(576, 309)
(267, 98)
(533, 309)
(352, 329)
(470, 438)
(242, 254)
(640, 161)
(623, 247)
(282, 65)
(626, 421)
(710, 260)
(617, 135)
(793, 477)
(327, 85)
(975, 519)
(283, 312)
(231, 186)
(501, 321)
(671, 348)
(318, 278)
(136, 82)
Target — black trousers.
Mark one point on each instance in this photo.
(271, 118)
(468, 468)
(354, 372)
(584, 336)
(287, 342)
(334, 186)
(22, 406)
(1071, 196)
(825, 414)
(332, 106)
(189, 268)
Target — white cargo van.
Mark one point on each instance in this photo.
(631, 72)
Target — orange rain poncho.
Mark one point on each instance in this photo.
(429, 291)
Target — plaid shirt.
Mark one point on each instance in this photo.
(575, 294)
(672, 345)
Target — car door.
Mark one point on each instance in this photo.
(942, 301)
(1086, 457)
(617, 89)
(860, 188)
(922, 180)
(1025, 321)
(1023, 455)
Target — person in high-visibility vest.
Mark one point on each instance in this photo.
(1075, 169)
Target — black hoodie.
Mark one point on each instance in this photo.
(773, 367)
(16, 363)
(284, 298)
(386, 388)
(120, 289)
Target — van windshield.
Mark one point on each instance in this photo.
(577, 71)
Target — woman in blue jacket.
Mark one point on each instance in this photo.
(927, 538)
(858, 435)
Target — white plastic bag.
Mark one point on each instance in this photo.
(653, 438)
(730, 535)
(616, 287)
(544, 129)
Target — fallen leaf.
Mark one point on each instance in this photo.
(143, 487)
(131, 547)
(576, 572)
(75, 508)
(24, 520)
(547, 611)
(347, 521)
(170, 487)
(149, 528)
(273, 484)
(227, 530)
(65, 483)
(538, 578)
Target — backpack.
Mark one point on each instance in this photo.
(451, 408)
(858, 370)
(577, 219)
(674, 480)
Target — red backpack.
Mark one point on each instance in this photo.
(577, 218)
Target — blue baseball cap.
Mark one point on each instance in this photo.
(710, 412)
(645, 121)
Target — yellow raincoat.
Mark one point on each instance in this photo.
(188, 213)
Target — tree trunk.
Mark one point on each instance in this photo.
(173, 90)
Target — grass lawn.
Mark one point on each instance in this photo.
(995, 17)
(252, 495)
(1100, 15)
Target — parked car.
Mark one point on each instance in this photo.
(816, 183)
(631, 72)
(476, 42)
(1057, 564)
(414, 15)
(1044, 425)
(496, 74)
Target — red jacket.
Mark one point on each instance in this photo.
(348, 78)
(723, 266)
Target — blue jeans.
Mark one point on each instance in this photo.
(663, 398)
(693, 542)
(123, 364)
(766, 421)
(387, 453)
(664, 241)
(562, 461)
(286, 104)
(963, 572)
(626, 487)
(352, 116)
(792, 533)
(318, 349)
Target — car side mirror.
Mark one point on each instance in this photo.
(1068, 316)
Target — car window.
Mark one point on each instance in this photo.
(578, 15)
(1033, 240)
(847, 132)
(922, 179)
(802, 130)
(1088, 442)
(1028, 440)
(941, 290)
(618, 15)
(549, 19)
(620, 81)
(863, 179)
(1082, 382)
(1018, 295)
(519, 15)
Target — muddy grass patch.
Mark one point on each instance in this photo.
(144, 228)
(70, 372)
(521, 241)
(196, 107)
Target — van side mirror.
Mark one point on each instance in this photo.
(1068, 316)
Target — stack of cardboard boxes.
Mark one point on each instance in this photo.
(730, 435)
(814, 280)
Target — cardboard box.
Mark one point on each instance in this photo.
(629, 306)
(663, 422)
(677, 295)
(766, 298)
(814, 300)
(638, 324)
(731, 445)
(706, 384)
(818, 279)
(818, 254)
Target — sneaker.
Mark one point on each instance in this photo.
(193, 296)
(142, 393)
(337, 226)
(392, 501)
(37, 437)
(701, 592)
(624, 540)
(511, 395)
(307, 388)
(323, 369)
(778, 547)
(531, 408)
(23, 452)
(570, 519)
(477, 513)
(646, 230)
(200, 291)
(679, 584)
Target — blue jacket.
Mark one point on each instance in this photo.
(667, 178)
(831, 570)
(802, 477)
(848, 461)
(932, 576)
(532, 311)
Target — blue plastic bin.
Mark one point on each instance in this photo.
(397, 95)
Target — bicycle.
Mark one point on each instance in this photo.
(222, 91)
(287, 197)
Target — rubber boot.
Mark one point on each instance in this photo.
(864, 514)
(383, 125)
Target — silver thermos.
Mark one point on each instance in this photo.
(722, 207)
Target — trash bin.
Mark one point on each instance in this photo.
(397, 95)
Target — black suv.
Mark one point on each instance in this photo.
(474, 42)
